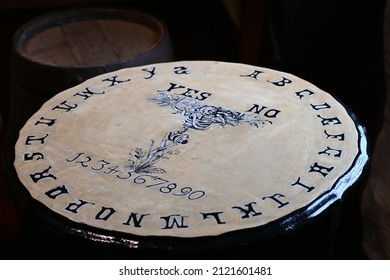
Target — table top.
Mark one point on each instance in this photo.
(190, 149)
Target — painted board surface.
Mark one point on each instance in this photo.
(189, 149)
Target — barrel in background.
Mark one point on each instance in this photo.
(64, 48)
(61, 49)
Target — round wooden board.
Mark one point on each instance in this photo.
(190, 149)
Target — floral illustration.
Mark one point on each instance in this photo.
(195, 116)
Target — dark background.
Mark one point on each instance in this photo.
(334, 44)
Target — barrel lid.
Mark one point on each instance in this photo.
(190, 149)
(89, 37)
(66, 46)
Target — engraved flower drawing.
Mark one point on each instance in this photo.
(195, 116)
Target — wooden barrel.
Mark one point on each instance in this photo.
(188, 159)
(61, 49)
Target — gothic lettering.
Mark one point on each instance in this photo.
(174, 87)
(281, 83)
(105, 213)
(75, 206)
(54, 193)
(331, 152)
(269, 113)
(202, 96)
(275, 198)
(324, 171)
(320, 106)
(32, 138)
(42, 175)
(175, 220)
(48, 122)
(329, 121)
(248, 211)
(65, 106)
(339, 137)
(214, 215)
(180, 70)
(37, 156)
(113, 80)
(254, 74)
(304, 92)
(87, 93)
(136, 218)
(299, 183)
(188, 92)
(151, 71)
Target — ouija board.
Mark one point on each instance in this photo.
(190, 149)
